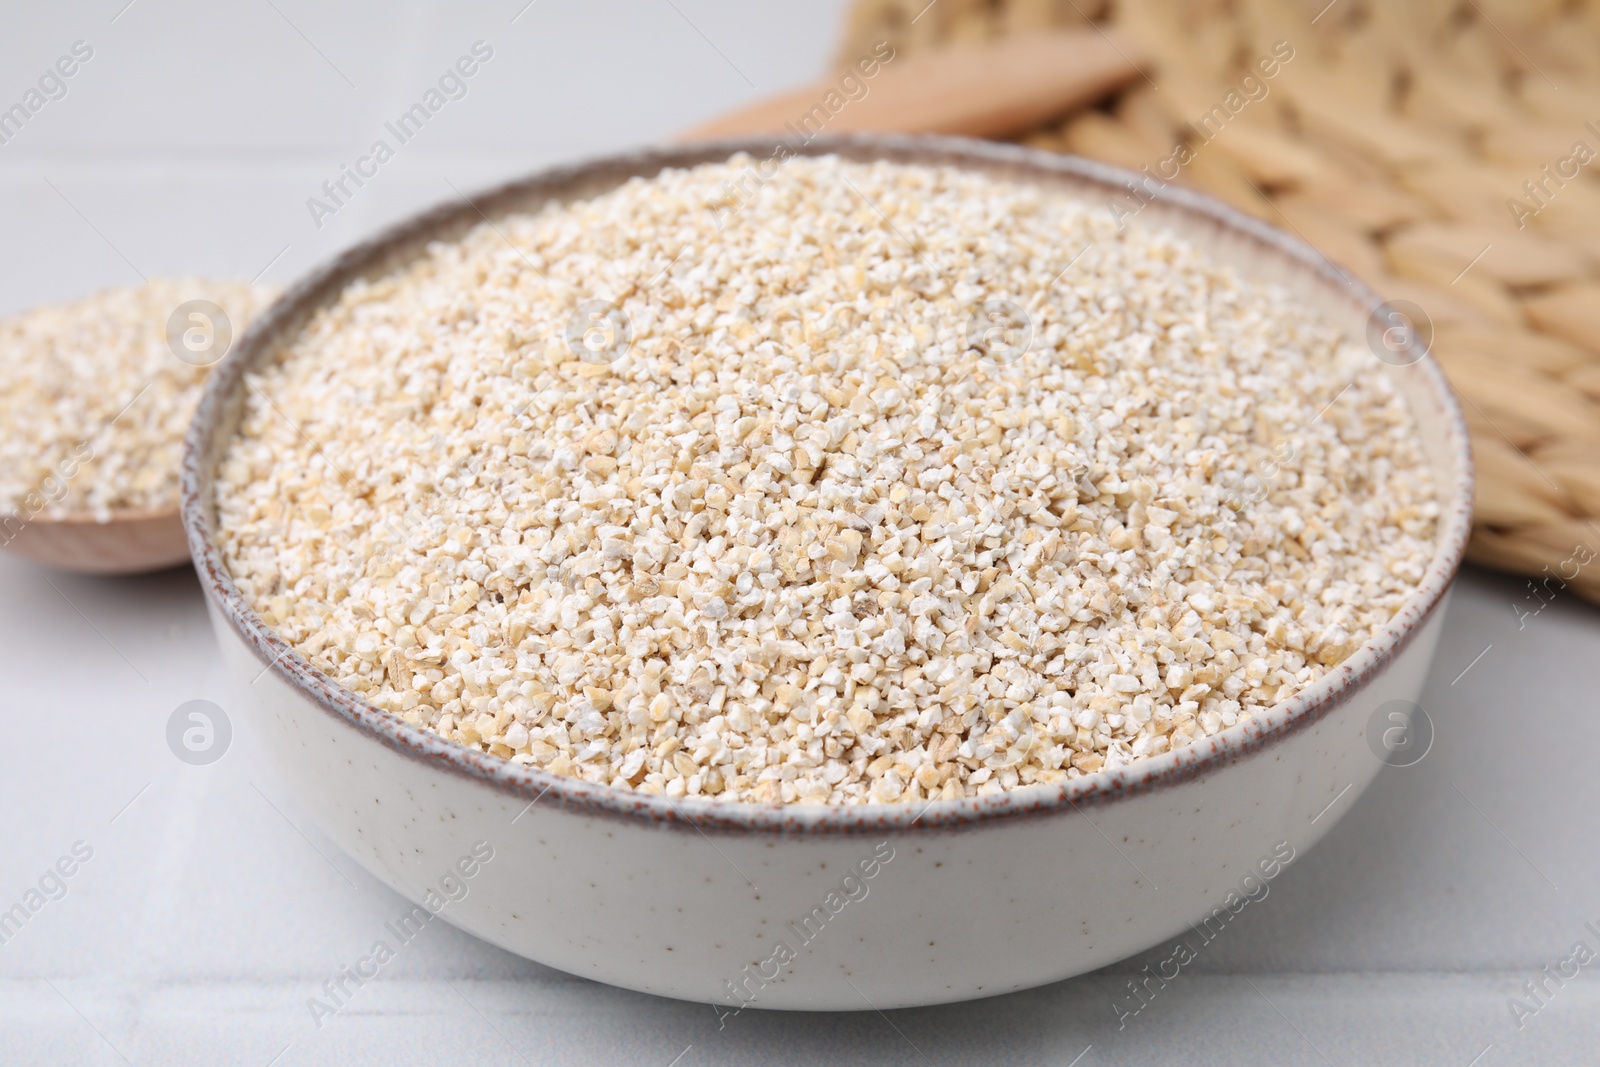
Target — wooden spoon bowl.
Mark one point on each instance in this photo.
(134, 541)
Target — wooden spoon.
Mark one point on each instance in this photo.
(133, 542)
(987, 90)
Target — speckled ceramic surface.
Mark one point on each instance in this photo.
(829, 907)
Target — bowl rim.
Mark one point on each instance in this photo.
(404, 240)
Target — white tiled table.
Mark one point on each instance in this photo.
(211, 908)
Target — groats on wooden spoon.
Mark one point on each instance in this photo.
(988, 90)
(133, 542)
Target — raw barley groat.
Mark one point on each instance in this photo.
(94, 402)
(817, 514)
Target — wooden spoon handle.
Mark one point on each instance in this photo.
(988, 90)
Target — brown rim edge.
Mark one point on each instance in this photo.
(398, 243)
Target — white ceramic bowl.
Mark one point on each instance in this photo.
(828, 907)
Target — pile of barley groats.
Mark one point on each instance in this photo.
(859, 493)
(95, 395)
